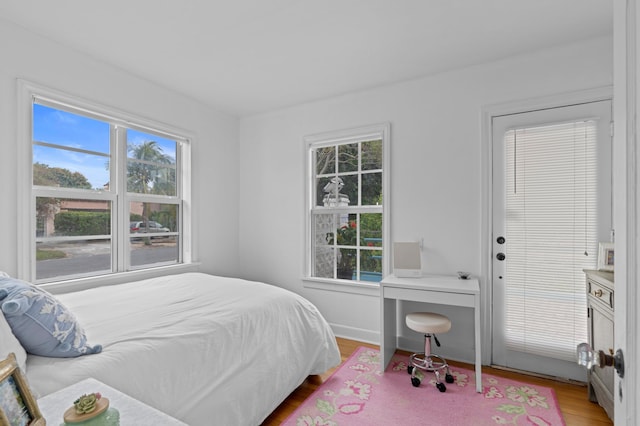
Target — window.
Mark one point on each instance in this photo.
(347, 223)
(106, 193)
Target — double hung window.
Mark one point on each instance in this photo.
(347, 219)
(107, 192)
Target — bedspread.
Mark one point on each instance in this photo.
(207, 350)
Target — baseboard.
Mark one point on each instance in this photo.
(408, 344)
(360, 334)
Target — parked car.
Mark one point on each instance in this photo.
(150, 226)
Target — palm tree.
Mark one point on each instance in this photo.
(145, 172)
(145, 169)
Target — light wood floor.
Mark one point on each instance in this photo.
(574, 404)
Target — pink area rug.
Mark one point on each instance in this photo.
(358, 394)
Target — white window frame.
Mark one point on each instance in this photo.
(117, 195)
(372, 132)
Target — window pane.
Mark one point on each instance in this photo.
(371, 189)
(63, 128)
(371, 155)
(350, 189)
(346, 264)
(345, 231)
(69, 258)
(150, 227)
(330, 192)
(56, 217)
(371, 229)
(348, 158)
(325, 160)
(69, 169)
(153, 217)
(324, 255)
(149, 251)
(151, 167)
(371, 265)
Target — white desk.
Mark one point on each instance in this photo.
(132, 411)
(444, 290)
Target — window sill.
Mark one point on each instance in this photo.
(352, 287)
(78, 284)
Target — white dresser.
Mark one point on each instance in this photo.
(600, 308)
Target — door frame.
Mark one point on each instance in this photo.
(626, 16)
(486, 251)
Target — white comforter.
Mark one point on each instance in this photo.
(207, 350)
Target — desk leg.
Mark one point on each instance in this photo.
(388, 331)
(478, 348)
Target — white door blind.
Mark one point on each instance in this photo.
(551, 227)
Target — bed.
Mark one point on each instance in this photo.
(196, 346)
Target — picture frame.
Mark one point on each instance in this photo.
(606, 257)
(18, 406)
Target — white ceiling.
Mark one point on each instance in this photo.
(249, 56)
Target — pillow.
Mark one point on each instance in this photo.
(9, 343)
(41, 323)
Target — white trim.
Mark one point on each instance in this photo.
(342, 286)
(359, 334)
(488, 112)
(25, 226)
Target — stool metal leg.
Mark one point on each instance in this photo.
(429, 362)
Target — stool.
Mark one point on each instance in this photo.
(429, 323)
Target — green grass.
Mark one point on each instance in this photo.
(49, 254)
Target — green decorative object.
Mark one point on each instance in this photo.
(86, 403)
(111, 417)
(91, 409)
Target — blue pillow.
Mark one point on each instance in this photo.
(40, 322)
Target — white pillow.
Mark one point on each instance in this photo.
(9, 343)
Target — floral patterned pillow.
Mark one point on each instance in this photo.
(42, 324)
(9, 344)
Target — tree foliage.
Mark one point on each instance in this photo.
(56, 176)
(146, 174)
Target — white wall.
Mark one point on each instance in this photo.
(435, 177)
(33, 58)
(248, 197)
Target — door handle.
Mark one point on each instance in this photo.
(590, 358)
(500, 256)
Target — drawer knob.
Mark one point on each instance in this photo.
(598, 293)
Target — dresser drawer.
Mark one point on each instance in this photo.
(600, 293)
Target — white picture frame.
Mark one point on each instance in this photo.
(606, 257)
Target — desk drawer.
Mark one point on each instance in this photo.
(600, 293)
(429, 296)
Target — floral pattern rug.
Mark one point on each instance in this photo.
(359, 394)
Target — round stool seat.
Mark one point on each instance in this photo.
(428, 322)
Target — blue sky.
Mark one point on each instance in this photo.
(65, 129)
